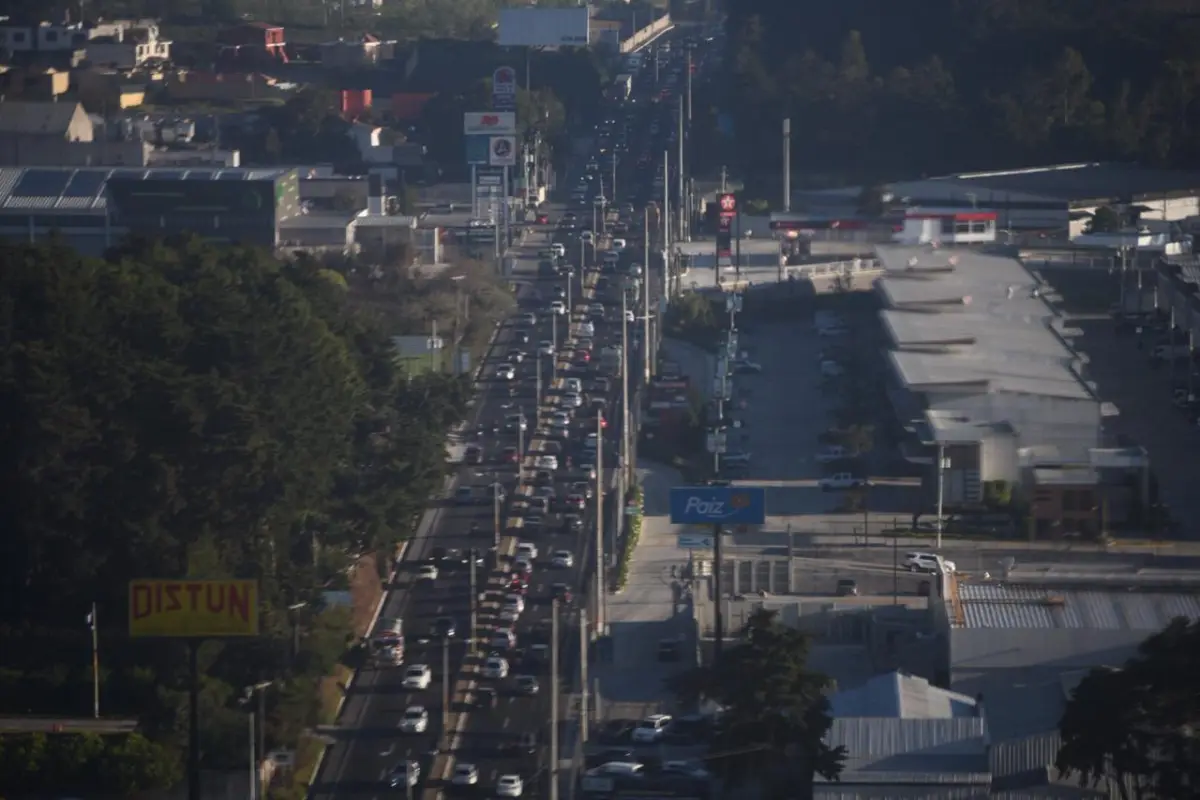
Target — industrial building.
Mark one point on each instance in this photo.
(986, 382)
(95, 208)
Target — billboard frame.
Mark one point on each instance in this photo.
(174, 608)
(545, 27)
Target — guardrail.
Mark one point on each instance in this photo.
(644, 36)
(831, 269)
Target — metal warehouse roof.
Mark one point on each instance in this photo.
(82, 189)
(1024, 607)
(1079, 182)
(898, 695)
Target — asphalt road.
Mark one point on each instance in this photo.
(368, 744)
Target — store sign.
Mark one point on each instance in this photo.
(490, 123)
(504, 89)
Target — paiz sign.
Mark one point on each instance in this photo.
(193, 608)
(717, 505)
(490, 123)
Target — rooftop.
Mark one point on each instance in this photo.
(900, 696)
(987, 605)
(1081, 182)
(34, 118)
(967, 319)
(82, 189)
(907, 751)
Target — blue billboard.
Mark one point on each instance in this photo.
(718, 505)
(479, 149)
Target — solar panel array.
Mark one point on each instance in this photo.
(82, 189)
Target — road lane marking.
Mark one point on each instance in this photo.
(388, 752)
(506, 723)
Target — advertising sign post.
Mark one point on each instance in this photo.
(193, 610)
(490, 123)
(502, 151)
(727, 210)
(504, 89)
(544, 27)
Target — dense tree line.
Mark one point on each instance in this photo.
(182, 408)
(877, 91)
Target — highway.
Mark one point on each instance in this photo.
(512, 737)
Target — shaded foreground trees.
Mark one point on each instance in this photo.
(775, 713)
(1138, 727)
(183, 408)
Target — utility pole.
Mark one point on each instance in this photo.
(689, 86)
(601, 565)
(626, 435)
(446, 693)
(614, 178)
(941, 490)
(787, 165)
(496, 507)
(538, 389)
(683, 208)
(472, 582)
(583, 676)
(554, 699)
(724, 179)
(666, 225)
(648, 352)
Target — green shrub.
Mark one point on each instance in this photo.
(631, 540)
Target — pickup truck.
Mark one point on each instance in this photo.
(841, 481)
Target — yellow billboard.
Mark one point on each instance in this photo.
(193, 608)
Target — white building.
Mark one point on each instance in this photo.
(947, 226)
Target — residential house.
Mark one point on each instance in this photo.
(252, 43)
(34, 83)
(128, 47)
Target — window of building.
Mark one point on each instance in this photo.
(979, 227)
(51, 37)
(947, 225)
(1068, 500)
(18, 36)
(962, 227)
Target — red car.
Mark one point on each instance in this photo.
(576, 502)
(543, 219)
(582, 356)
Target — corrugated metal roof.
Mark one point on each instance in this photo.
(901, 696)
(1001, 606)
(879, 738)
(1023, 755)
(83, 189)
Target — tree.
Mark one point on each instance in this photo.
(1106, 219)
(187, 408)
(1135, 727)
(774, 711)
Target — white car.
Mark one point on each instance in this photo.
(558, 248)
(619, 244)
(527, 549)
(630, 316)
(841, 481)
(573, 385)
(415, 720)
(418, 677)
(427, 572)
(586, 236)
(635, 269)
(546, 462)
(587, 329)
(528, 318)
(928, 562)
(509, 786)
(465, 775)
(562, 559)
(515, 602)
(571, 400)
(652, 728)
(495, 667)
(546, 347)
(558, 308)
(506, 372)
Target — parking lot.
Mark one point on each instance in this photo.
(1151, 398)
(811, 377)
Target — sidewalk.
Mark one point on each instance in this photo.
(631, 684)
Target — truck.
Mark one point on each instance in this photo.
(622, 86)
(387, 646)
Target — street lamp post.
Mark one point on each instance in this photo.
(942, 465)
